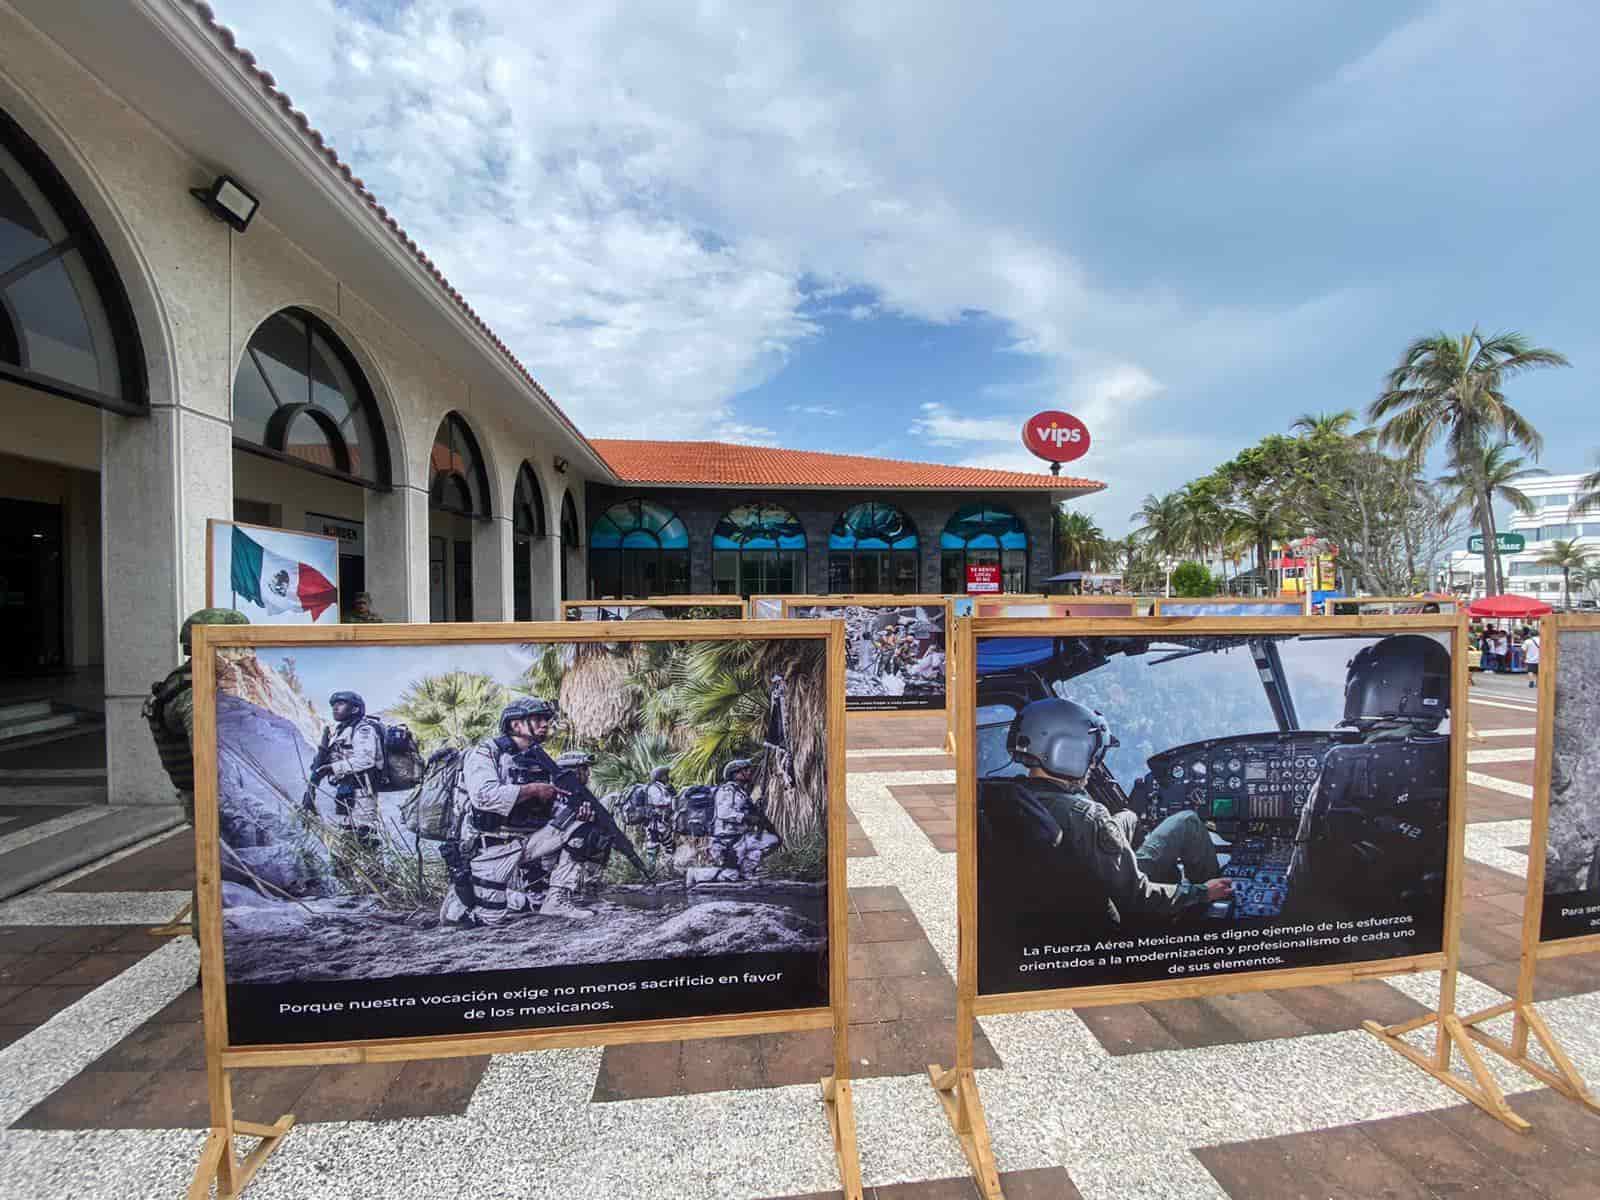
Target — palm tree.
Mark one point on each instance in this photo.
(458, 708)
(1484, 476)
(1161, 521)
(1324, 424)
(1588, 494)
(1080, 543)
(1569, 556)
(1450, 389)
(1260, 519)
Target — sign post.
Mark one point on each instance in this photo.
(1504, 543)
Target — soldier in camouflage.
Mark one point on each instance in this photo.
(170, 714)
(360, 611)
(660, 836)
(741, 837)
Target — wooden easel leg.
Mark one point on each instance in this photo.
(840, 1105)
(1482, 1090)
(177, 926)
(957, 1089)
(1565, 1079)
(217, 1162)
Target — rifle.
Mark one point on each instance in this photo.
(759, 812)
(573, 796)
(308, 801)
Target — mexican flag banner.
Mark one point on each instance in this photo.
(275, 583)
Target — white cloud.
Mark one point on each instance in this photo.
(744, 435)
(940, 425)
(818, 410)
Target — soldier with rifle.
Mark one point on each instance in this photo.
(349, 758)
(591, 829)
(660, 808)
(743, 834)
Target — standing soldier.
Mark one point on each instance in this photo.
(509, 795)
(661, 802)
(360, 611)
(351, 755)
(742, 836)
(170, 713)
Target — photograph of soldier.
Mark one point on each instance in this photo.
(504, 834)
(360, 611)
(1572, 849)
(1158, 807)
(894, 655)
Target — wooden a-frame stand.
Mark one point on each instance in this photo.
(1561, 1075)
(218, 1163)
(956, 1086)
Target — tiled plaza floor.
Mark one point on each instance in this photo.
(1258, 1096)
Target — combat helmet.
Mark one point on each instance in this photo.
(209, 616)
(734, 767)
(523, 708)
(1402, 678)
(1061, 736)
(353, 699)
(661, 775)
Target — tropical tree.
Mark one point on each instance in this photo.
(1080, 543)
(1324, 424)
(1588, 493)
(1192, 579)
(1483, 476)
(457, 708)
(1162, 523)
(1451, 390)
(1566, 554)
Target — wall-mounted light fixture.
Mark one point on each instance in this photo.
(227, 200)
(560, 465)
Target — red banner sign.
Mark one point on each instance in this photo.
(983, 578)
(1055, 436)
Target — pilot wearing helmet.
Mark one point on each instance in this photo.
(1375, 823)
(1086, 859)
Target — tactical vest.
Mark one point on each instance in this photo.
(177, 756)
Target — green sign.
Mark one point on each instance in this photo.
(1505, 543)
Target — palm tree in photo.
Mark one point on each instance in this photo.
(1568, 556)
(1491, 472)
(458, 708)
(1451, 390)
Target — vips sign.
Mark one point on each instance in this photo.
(1056, 437)
(983, 577)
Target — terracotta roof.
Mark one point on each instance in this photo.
(314, 136)
(713, 463)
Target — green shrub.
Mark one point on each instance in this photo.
(1192, 579)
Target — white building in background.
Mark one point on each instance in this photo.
(1553, 518)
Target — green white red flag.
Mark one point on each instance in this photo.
(276, 583)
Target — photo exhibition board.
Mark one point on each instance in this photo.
(1178, 808)
(392, 868)
(895, 659)
(1567, 778)
(1207, 606)
(1056, 606)
(272, 576)
(1387, 606)
(658, 608)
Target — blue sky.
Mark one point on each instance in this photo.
(901, 228)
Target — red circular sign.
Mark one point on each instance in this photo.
(1055, 436)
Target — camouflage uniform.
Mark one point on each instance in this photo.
(738, 841)
(170, 714)
(660, 816)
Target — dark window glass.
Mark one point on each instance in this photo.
(298, 394)
(872, 548)
(65, 322)
(460, 482)
(984, 535)
(758, 549)
(528, 509)
(638, 548)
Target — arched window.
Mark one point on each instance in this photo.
(527, 523)
(66, 326)
(758, 548)
(638, 548)
(983, 535)
(872, 548)
(571, 543)
(459, 483)
(299, 396)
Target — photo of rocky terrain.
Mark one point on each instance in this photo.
(1571, 863)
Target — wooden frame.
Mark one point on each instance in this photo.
(956, 1086)
(883, 601)
(1123, 606)
(568, 606)
(1565, 1078)
(1163, 602)
(1446, 607)
(212, 523)
(217, 1161)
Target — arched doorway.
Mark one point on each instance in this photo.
(528, 527)
(638, 548)
(309, 443)
(872, 548)
(983, 535)
(758, 549)
(458, 495)
(571, 545)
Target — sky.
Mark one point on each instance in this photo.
(902, 228)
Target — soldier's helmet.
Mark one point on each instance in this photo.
(209, 616)
(1061, 736)
(523, 709)
(1400, 679)
(735, 768)
(661, 775)
(353, 699)
(571, 759)
(363, 598)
